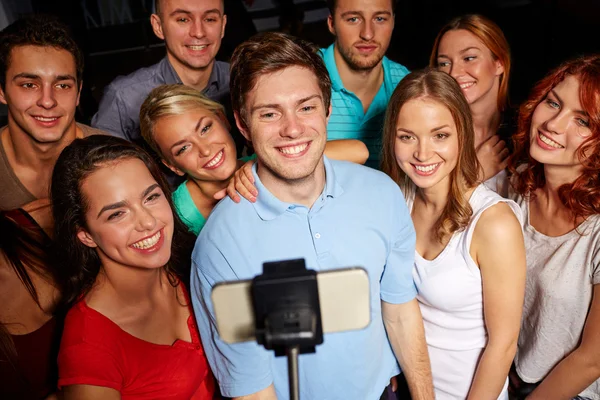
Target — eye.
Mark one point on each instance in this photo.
(404, 138)
(211, 19)
(28, 85)
(268, 115)
(352, 20)
(115, 215)
(380, 19)
(441, 136)
(153, 197)
(182, 19)
(469, 58)
(443, 64)
(206, 129)
(64, 86)
(583, 122)
(552, 103)
(308, 108)
(181, 150)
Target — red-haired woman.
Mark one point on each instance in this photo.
(556, 181)
(474, 51)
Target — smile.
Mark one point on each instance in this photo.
(148, 242)
(198, 47)
(426, 169)
(293, 150)
(46, 119)
(467, 85)
(549, 141)
(215, 160)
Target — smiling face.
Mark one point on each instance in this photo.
(192, 31)
(287, 124)
(362, 29)
(196, 143)
(466, 58)
(426, 146)
(559, 126)
(129, 220)
(41, 92)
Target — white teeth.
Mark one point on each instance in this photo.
(44, 119)
(201, 47)
(215, 160)
(550, 142)
(147, 243)
(466, 85)
(293, 149)
(427, 168)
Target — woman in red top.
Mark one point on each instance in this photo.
(130, 333)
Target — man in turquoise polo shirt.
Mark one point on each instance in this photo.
(362, 78)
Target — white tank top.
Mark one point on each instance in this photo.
(450, 295)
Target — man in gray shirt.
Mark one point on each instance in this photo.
(192, 31)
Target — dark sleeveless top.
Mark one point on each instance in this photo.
(33, 374)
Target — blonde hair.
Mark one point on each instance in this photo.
(431, 84)
(168, 100)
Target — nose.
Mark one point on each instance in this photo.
(203, 148)
(293, 127)
(145, 220)
(197, 29)
(47, 97)
(422, 152)
(558, 122)
(366, 31)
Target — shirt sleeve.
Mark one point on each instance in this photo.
(397, 285)
(111, 114)
(86, 364)
(243, 368)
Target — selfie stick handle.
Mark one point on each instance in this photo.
(292, 356)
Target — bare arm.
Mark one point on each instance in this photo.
(267, 393)
(89, 392)
(579, 369)
(347, 150)
(404, 326)
(499, 250)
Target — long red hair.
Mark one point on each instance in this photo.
(581, 197)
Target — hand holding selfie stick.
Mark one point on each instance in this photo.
(287, 313)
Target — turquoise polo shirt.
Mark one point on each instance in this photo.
(347, 120)
(360, 219)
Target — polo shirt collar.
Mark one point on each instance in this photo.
(269, 207)
(170, 75)
(329, 58)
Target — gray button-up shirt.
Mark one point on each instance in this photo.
(119, 110)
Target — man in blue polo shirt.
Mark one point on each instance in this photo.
(362, 78)
(333, 214)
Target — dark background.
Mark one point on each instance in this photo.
(541, 33)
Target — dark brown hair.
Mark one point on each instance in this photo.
(430, 84)
(331, 4)
(270, 52)
(37, 30)
(581, 197)
(81, 263)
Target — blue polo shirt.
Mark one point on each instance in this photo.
(347, 120)
(360, 219)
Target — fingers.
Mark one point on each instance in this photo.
(247, 171)
(245, 187)
(231, 191)
(220, 194)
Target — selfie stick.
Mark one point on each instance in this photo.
(288, 313)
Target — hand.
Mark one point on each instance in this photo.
(242, 181)
(493, 156)
(394, 383)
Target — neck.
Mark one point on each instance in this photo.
(196, 78)
(486, 119)
(131, 285)
(358, 82)
(301, 191)
(37, 156)
(434, 198)
(557, 176)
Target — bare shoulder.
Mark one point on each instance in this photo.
(496, 222)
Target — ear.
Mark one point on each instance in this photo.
(79, 93)
(499, 68)
(223, 26)
(85, 238)
(241, 126)
(157, 26)
(172, 167)
(2, 97)
(331, 25)
(328, 113)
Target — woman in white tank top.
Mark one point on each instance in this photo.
(470, 257)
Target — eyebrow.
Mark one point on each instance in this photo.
(582, 112)
(185, 139)
(187, 12)
(27, 75)
(123, 203)
(278, 106)
(437, 128)
(461, 52)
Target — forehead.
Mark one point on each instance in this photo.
(568, 90)
(425, 113)
(365, 6)
(459, 39)
(288, 84)
(168, 125)
(116, 181)
(168, 6)
(41, 60)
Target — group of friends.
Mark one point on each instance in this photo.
(476, 222)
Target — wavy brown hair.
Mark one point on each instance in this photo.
(440, 87)
(582, 196)
(492, 37)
